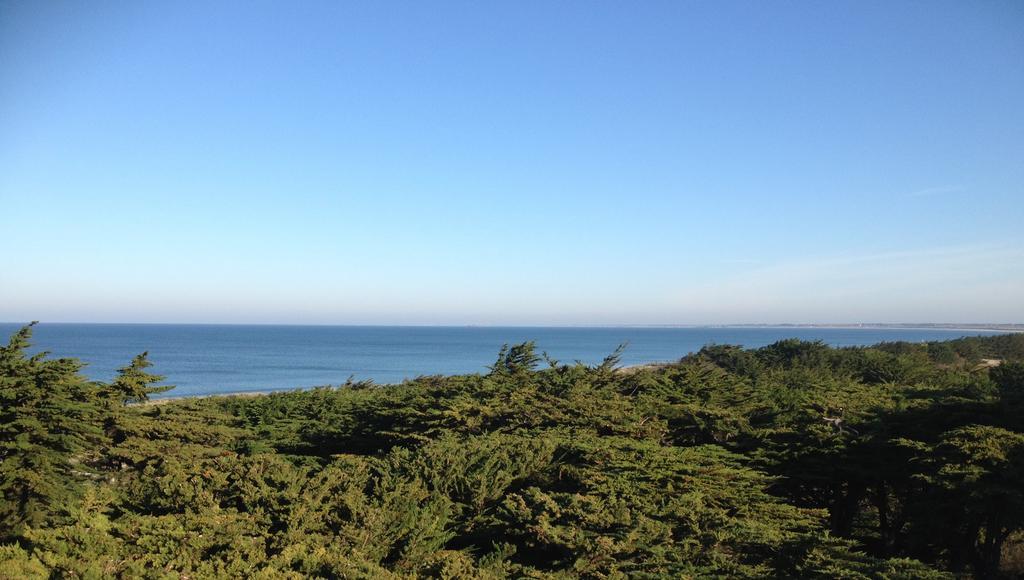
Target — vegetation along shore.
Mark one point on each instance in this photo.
(793, 460)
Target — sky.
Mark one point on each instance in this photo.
(512, 163)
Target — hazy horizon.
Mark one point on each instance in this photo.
(512, 164)
(853, 324)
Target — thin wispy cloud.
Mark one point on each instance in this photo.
(741, 261)
(931, 191)
(969, 283)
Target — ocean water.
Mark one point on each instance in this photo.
(208, 359)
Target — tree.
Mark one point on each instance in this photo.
(517, 360)
(49, 434)
(134, 385)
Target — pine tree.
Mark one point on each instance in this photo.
(134, 385)
(49, 434)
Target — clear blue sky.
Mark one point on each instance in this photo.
(512, 163)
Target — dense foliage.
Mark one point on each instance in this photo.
(793, 460)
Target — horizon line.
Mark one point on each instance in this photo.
(918, 324)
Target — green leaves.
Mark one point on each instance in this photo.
(517, 360)
(50, 435)
(134, 385)
(795, 460)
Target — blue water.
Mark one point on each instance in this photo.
(205, 359)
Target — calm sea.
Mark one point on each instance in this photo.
(205, 359)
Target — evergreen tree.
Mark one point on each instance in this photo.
(49, 434)
(796, 460)
(134, 385)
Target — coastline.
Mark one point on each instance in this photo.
(625, 369)
(239, 394)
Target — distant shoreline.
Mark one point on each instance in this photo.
(240, 394)
(984, 326)
(882, 326)
(245, 361)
